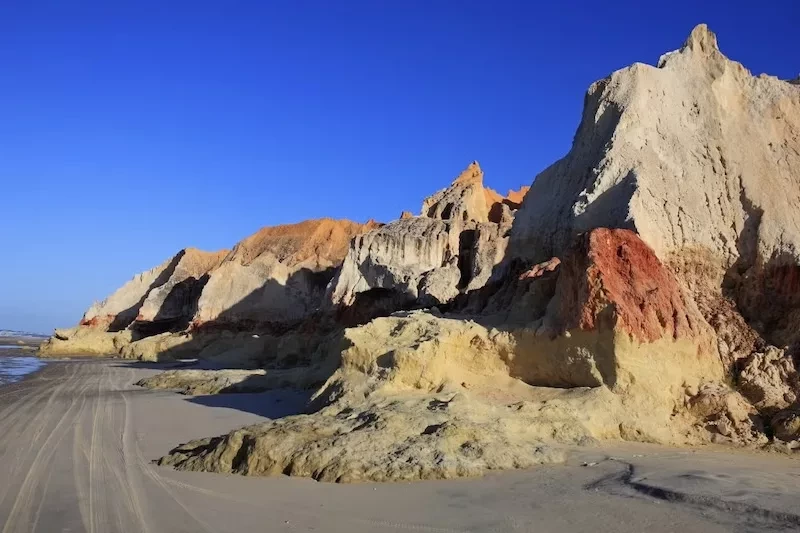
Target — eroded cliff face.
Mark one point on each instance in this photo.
(690, 153)
(451, 248)
(279, 275)
(649, 291)
(275, 277)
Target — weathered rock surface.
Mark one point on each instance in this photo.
(695, 152)
(405, 438)
(82, 340)
(452, 247)
(176, 299)
(770, 380)
(443, 397)
(278, 274)
(786, 424)
(196, 382)
(649, 291)
(119, 310)
(727, 415)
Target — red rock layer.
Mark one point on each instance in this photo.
(612, 275)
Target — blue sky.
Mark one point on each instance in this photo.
(129, 130)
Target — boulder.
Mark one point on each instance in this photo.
(786, 424)
(769, 379)
(82, 340)
(727, 415)
(394, 258)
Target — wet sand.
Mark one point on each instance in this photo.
(77, 441)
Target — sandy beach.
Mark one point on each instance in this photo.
(77, 441)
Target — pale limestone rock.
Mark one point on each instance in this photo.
(439, 285)
(393, 257)
(462, 230)
(786, 424)
(80, 341)
(694, 153)
(464, 200)
(176, 298)
(123, 305)
(197, 382)
(164, 347)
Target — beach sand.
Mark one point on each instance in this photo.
(77, 441)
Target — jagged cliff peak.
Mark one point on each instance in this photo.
(471, 174)
(695, 153)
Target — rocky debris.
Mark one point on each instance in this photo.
(439, 286)
(196, 382)
(769, 379)
(696, 152)
(785, 424)
(727, 415)
(539, 269)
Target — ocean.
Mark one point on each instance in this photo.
(13, 367)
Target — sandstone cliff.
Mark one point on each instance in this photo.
(278, 275)
(647, 289)
(452, 247)
(646, 271)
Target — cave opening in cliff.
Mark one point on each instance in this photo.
(466, 252)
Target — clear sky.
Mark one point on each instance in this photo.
(129, 130)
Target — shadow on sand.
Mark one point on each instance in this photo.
(270, 404)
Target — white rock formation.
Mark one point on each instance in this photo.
(453, 246)
(696, 152)
(176, 298)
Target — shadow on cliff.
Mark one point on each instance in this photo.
(127, 317)
(290, 340)
(176, 311)
(765, 292)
